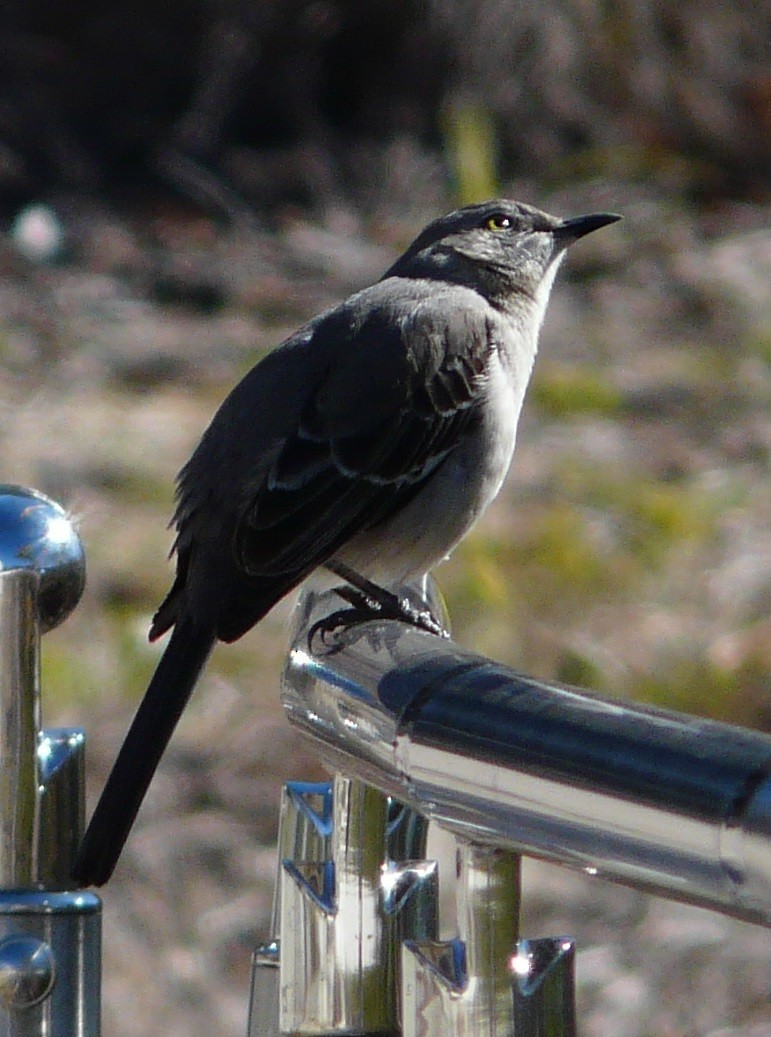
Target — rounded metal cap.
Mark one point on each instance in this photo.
(36, 533)
(27, 971)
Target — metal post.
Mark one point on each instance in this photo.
(305, 826)
(544, 988)
(344, 905)
(19, 726)
(463, 987)
(50, 958)
(657, 800)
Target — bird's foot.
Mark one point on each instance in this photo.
(334, 623)
(369, 601)
(373, 602)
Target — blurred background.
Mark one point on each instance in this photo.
(181, 186)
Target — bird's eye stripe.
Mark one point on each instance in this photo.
(498, 222)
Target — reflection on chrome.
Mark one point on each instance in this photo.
(544, 988)
(343, 910)
(509, 765)
(37, 535)
(662, 801)
(50, 937)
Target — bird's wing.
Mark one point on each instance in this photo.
(403, 390)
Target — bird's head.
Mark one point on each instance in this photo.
(503, 249)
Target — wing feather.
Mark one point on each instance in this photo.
(404, 391)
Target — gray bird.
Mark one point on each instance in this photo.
(368, 443)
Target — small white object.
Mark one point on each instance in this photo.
(37, 233)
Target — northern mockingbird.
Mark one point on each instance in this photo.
(368, 443)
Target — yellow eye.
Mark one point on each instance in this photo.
(498, 222)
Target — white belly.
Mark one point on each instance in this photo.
(429, 527)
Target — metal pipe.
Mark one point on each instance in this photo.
(662, 801)
(61, 761)
(544, 988)
(19, 725)
(464, 985)
(336, 975)
(304, 834)
(50, 963)
(350, 894)
(50, 956)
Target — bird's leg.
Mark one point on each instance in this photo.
(370, 601)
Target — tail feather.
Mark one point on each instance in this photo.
(149, 734)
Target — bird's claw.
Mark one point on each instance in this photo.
(342, 619)
(366, 607)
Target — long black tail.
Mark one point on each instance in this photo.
(149, 734)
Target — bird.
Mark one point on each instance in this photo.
(367, 444)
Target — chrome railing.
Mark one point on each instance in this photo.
(50, 958)
(418, 729)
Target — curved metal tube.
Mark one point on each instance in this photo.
(662, 801)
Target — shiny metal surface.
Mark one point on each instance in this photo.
(463, 987)
(752, 840)
(334, 963)
(27, 971)
(50, 953)
(662, 801)
(263, 993)
(344, 911)
(42, 573)
(304, 834)
(46, 936)
(38, 535)
(19, 725)
(488, 891)
(62, 795)
(304, 831)
(544, 988)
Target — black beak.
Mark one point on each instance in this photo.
(573, 229)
